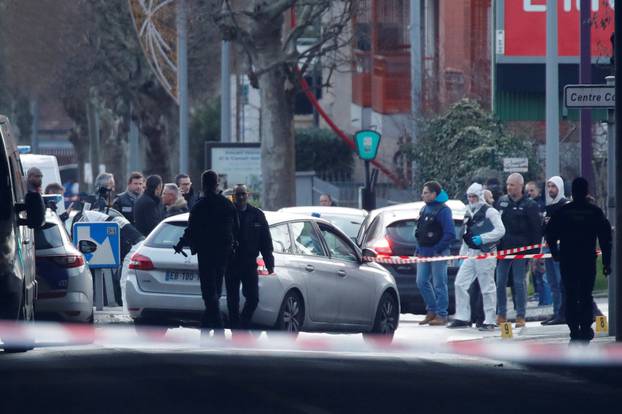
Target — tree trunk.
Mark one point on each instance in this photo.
(278, 162)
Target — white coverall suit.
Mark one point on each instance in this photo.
(483, 270)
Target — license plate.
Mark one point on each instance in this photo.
(181, 276)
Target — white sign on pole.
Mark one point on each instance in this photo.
(241, 165)
(589, 96)
(512, 165)
(500, 42)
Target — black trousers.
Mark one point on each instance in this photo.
(477, 303)
(211, 274)
(242, 271)
(578, 278)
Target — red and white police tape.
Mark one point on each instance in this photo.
(507, 254)
(16, 335)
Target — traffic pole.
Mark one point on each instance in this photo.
(611, 209)
(618, 174)
(225, 92)
(552, 91)
(585, 77)
(182, 84)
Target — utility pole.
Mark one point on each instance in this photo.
(34, 134)
(611, 209)
(92, 117)
(182, 83)
(225, 92)
(552, 91)
(416, 75)
(585, 77)
(618, 177)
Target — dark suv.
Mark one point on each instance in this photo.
(20, 212)
(391, 232)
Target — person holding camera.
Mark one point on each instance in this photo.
(483, 230)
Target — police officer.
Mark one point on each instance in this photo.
(575, 226)
(210, 235)
(523, 227)
(434, 234)
(253, 238)
(483, 230)
(124, 203)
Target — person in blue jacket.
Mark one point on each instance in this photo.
(435, 233)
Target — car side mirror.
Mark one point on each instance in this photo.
(369, 254)
(86, 246)
(35, 211)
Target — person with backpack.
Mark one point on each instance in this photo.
(435, 233)
(483, 230)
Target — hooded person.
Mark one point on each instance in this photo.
(435, 232)
(571, 234)
(554, 201)
(483, 230)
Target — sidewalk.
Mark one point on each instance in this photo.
(540, 313)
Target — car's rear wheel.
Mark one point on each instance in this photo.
(292, 313)
(387, 317)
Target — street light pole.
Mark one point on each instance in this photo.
(618, 174)
(225, 92)
(182, 83)
(585, 77)
(552, 91)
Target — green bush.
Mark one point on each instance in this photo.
(320, 150)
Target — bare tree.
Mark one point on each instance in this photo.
(269, 34)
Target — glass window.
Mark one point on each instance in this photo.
(48, 237)
(350, 225)
(337, 246)
(167, 236)
(281, 241)
(404, 231)
(306, 240)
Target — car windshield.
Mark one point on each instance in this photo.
(48, 237)
(350, 225)
(167, 235)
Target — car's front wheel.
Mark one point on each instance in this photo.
(387, 317)
(292, 313)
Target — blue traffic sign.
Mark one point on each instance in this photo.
(100, 242)
(367, 143)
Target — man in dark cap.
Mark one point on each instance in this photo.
(571, 235)
(253, 238)
(210, 234)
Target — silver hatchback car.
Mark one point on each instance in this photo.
(320, 283)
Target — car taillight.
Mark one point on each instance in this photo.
(262, 270)
(140, 262)
(69, 261)
(383, 247)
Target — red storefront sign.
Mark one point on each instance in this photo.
(525, 27)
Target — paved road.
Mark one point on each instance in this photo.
(153, 380)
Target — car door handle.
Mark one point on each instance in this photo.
(26, 241)
(309, 268)
(341, 273)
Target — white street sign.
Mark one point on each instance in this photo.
(589, 96)
(512, 165)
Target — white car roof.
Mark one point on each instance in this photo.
(273, 217)
(341, 211)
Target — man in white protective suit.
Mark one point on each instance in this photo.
(483, 229)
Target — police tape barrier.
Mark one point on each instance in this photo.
(508, 254)
(281, 344)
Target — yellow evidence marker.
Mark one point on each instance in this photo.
(601, 325)
(506, 330)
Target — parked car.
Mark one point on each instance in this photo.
(390, 231)
(349, 220)
(320, 281)
(65, 282)
(20, 213)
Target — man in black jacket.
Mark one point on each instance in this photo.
(187, 191)
(124, 203)
(523, 227)
(148, 210)
(575, 226)
(210, 234)
(253, 237)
